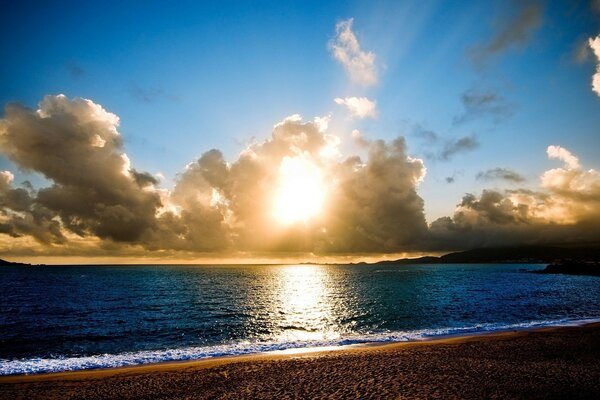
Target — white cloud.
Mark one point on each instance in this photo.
(359, 64)
(360, 107)
(563, 154)
(595, 46)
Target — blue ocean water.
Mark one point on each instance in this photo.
(77, 317)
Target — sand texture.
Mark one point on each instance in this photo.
(559, 363)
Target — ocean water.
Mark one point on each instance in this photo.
(78, 317)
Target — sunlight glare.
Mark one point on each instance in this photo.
(300, 193)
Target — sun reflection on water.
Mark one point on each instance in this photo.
(305, 309)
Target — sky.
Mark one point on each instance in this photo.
(296, 130)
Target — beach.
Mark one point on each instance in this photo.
(546, 363)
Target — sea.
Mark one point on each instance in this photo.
(62, 318)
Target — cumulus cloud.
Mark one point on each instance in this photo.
(594, 44)
(97, 202)
(515, 31)
(359, 139)
(479, 103)
(345, 48)
(366, 203)
(566, 209)
(360, 107)
(97, 199)
(21, 216)
(563, 154)
(75, 144)
(500, 173)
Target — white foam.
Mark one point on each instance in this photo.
(44, 365)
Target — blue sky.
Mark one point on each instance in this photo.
(186, 77)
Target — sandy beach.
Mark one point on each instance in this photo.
(547, 363)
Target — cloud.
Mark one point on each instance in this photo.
(563, 154)
(20, 216)
(594, 44)
(425, 134)
(97, 201)
(75, 144)
(455, 146)
(359, 139)
(360, 107)
(582, 51)
(345, 48)
(452, 178)
(443, 149)
(516, 31)
(365, 203)
(565, 210)
(479, 103)
(500, 173)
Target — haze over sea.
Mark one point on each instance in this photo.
(78, 317)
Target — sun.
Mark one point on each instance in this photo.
(300, 192)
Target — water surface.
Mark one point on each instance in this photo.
(63, 318)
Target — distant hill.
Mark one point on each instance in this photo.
(572, 268)
(6, 263)
(528, 254)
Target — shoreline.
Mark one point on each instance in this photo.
(291, 353)
(309, 350)
(549, 362)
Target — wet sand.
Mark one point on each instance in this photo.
(550, 363)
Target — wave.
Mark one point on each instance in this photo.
(60, 364)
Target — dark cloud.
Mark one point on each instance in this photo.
(455, 174)
(500, 173)
(20, 215)
(455, 146)
(516, 30)
(480, 103)
(75, 145)
(440, 148)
